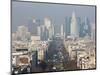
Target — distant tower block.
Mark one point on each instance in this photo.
(62, 30)
(49, 27)
(38, 31)
(93, 35)
(74, 26)
(34, 20)
(47, 22)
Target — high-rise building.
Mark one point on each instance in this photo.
(47, 22)
(22, 33)
(28, 36)
(93, 35)
(62, 30)
(44, 33)
(67, 26)
(77, 26)
(85, 28)
(32, 25)
(74, 26)
(49, 28)
(54, 29)
(79, 22)
(38, 31)
(51, 31)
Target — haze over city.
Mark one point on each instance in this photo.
(23, 12)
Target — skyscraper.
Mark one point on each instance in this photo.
(44, 33)
(47, 22)
(38, 31)
(93, 32)
(85, 28)
(32, 25)
(67, 26)
(74, 26)
(51, 31)
(62, 30)
(49, 28)
(79, 23)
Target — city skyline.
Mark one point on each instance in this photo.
(74, 27)
(22, 17)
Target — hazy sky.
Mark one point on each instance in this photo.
(22, 12)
